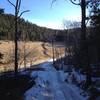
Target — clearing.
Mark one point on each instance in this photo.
(29, 53)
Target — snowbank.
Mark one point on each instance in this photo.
(51, 85)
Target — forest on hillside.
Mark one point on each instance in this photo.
(26, 30)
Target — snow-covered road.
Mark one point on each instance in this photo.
(50, 85)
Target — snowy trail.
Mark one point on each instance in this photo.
(50, 85)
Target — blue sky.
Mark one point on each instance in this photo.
(42, 14)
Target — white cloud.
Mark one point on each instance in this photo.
(53, 25)
(49, 24)
(73, 18)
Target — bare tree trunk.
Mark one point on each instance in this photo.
(65, 60)
(16, 38)
(24, 54)
(53, 51)
(17, 8)
(83, 43)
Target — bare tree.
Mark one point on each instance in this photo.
(16, 6)
(83, 4)
(84, 46)
(67, 24)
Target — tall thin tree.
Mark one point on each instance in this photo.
(84, 46)
(82, 4)
(16, 6)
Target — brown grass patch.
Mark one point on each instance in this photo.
(31, 52)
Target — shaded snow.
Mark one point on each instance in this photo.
(51, 85)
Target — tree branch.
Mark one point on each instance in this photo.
(72, 1)
(19, 4)
(16, 7)
(79, 3)
(52, 2)
(11, 3)
(23, 13)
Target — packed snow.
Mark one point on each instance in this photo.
(51, 85)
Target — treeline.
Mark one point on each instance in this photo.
(26, 30)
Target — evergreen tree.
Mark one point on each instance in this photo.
(1, 11)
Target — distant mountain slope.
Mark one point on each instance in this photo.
(26, 29)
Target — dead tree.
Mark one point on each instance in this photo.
(53, 56)
(84, 46)
(83, 4)
(16, 6)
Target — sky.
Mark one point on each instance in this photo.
(42, 14)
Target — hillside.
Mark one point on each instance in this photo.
(26, 30)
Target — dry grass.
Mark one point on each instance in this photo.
(33, 52)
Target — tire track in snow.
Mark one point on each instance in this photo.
(52, 86)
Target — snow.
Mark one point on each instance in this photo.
(51, 85)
